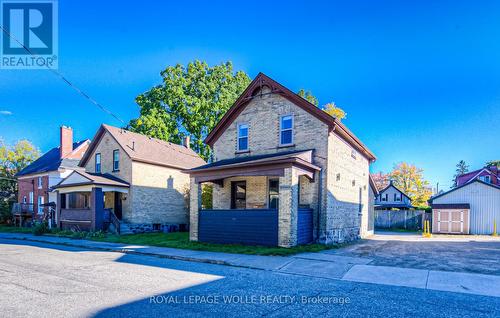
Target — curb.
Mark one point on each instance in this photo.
(127, 251)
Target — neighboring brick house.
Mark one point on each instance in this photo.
(136, 177)
(489, 174)
(284, 173)
(392, 198)
(35, 180)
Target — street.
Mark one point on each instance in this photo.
(42, 280)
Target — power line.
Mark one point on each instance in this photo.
(78, 90)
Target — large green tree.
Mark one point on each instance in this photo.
(462, 168)
(190, 101)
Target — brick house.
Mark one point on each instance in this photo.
(35, 180)
(284, 173)
(131, 181)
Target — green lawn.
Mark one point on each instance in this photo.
(178, 240)
(12, 229)
(181, 240)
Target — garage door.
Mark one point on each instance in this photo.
(451, 221)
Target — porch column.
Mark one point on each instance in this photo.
(194, 208)
(97, 207)
(288, 208)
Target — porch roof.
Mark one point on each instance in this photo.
(258, 165)
(81, 178)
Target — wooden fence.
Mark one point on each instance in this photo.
(402, 219)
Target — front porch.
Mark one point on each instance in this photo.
(271, 200)
(92, 204)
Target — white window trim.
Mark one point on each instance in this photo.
(114, 161)
(281, 129)
(100, 162)
(31, 198)
(40, 182)
(40, 201)
(240, 137)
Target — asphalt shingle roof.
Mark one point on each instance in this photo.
(51, 161)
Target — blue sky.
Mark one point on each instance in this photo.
(419, 81)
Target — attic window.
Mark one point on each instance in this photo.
(353, 154)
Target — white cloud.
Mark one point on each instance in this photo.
(5, 112)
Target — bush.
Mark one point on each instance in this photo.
(40, 229)
(5, 212)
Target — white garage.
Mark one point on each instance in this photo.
(471, 208)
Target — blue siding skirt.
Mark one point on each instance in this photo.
(249, 227)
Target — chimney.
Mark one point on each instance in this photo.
(66, 138)
(185, 142)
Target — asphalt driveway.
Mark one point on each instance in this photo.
(474, 254)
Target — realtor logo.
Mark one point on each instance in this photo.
(29, 39)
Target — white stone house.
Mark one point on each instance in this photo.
(284, 173)
(129, 180)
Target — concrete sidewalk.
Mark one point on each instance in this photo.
(325, 264)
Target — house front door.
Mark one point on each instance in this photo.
(238, 195)
(118, 205)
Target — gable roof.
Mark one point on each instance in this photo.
(474, 174)
(372, 184)
(392, 185)
(51, 161)
(146, 149)
(262, 80)
(464, 185)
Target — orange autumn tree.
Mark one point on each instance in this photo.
(410, 179)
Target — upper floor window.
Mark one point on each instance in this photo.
(116, 160)
(397, 197)
(98, 163)
(40, 202)
(242, 137)
(486, 179)
(286, 130)
(40, 182)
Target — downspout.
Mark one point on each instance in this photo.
(320, 195)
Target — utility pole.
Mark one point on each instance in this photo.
(437, 188)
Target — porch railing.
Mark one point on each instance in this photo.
(24, 208)
(113, 219)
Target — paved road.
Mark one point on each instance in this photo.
(41, 280)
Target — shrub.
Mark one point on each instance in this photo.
(40, 229)
(5, 212)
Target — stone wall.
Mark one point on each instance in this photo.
(346, 192)
(159, 195)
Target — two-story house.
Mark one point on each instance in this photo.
(489, 174)
(392, 198)
(284, 173)
(131, 181)
(35, 180)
